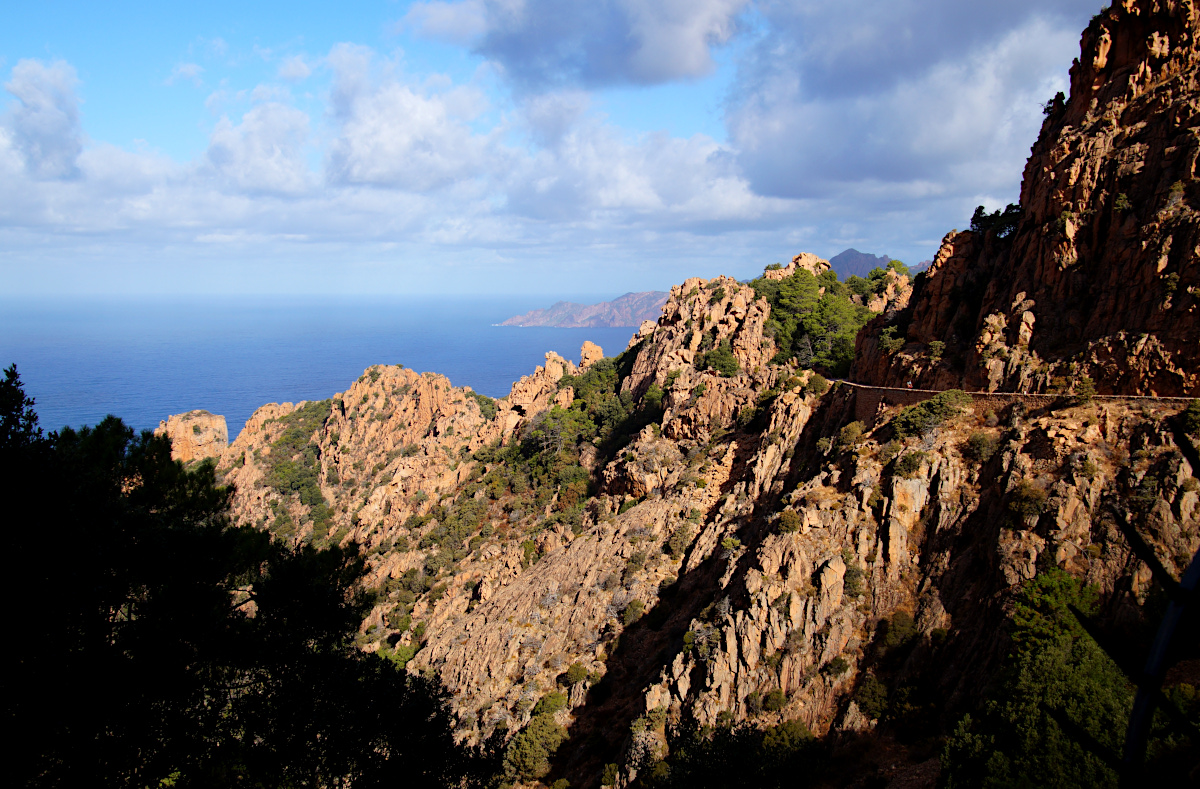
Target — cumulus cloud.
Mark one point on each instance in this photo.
(588, 172)
(43, 124)
(186, 71)
(459, 23)
(925, 100)
(263, 153)
(554, 43)
(294, 68)
(395, 134)
(865, 123)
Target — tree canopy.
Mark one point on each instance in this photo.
(152, 643)
(813, 319)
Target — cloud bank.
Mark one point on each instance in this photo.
(865, 123)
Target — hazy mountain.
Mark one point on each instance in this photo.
(628, 310)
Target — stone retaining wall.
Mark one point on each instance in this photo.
(868, 399)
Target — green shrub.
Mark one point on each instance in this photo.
(851, 435)
(680, 539)
(722, 360)
(529, 553)
(936, 349)
(400, 655)
(551, 703)
(789, 521)
(775, 701)
(633, 612)
(980, 446)
(852, 581)
(487, 406)
(716, 296)
(1191, 418)
(817, 385)
(608, 777)
(528, 754)
(654, 396)
(576, 673)
(836, 667)
(871, 696)
(1054, 671)
(895, 632)
(813, 319)
(888, 340)
(889, 451)
(910, 465)
(923, 417)
(398, 619)
(1085, 390)
(1027, 499)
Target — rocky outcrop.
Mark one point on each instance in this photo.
(195, 435)
(805, 260)
(741, 543)
(1098, 275)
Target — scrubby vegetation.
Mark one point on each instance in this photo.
(785, 755)
(813, 326)
(294, 467)
(528, 754)
(1059, 693)
(1003, 223)
(876, 281)
(487, 406)
(185, 651)
(721, 360)
(1191, 418)
(920, 419)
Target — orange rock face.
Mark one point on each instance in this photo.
(195, 435)
(1099, 274)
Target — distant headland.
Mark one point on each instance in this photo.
(628, 310)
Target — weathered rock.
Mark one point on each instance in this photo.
(195, 435)
(589, 354)
(1101, 274)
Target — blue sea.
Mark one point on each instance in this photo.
(144, 360)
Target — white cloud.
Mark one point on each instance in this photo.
(935, 126)
(554, 43)
(263, 153)
(393, 134)
(457, 23)
(186, 71)
(43, 125)
(878, 126)
(294, 68)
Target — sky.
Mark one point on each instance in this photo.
(503, 146)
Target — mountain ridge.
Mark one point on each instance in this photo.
(699, 531)
(631, 309)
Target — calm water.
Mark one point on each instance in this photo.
(146, 360)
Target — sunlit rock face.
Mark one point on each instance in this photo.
(1099, 273)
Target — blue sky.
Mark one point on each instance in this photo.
(515, 146)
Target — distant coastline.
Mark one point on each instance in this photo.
(628, 310)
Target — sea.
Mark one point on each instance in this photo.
(144, 359)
